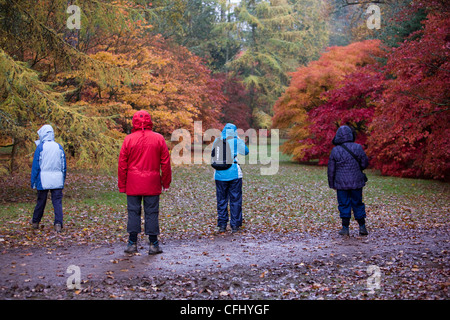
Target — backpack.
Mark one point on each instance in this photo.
(221, 155)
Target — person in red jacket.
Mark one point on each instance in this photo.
(144, 170)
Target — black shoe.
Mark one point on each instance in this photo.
(363, 230)
(234, 229)
(344, 231)
(34, 225)
(222, 229)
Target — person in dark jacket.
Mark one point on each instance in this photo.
(345, 175)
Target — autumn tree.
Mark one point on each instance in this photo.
(410, 135)
(174, 85)
(88, 88)
(277, 36)
(352, 103)
(297, 109)
(236, 108)
(34, 51)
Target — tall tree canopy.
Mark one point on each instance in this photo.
(306, 92)
(87, 82)
(277, 36)
(223, 61)
(398, 102)
(410, 133)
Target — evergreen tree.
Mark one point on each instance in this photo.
(277, 36)
(36, 49)
(85, 82)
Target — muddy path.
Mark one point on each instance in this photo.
(408, 265)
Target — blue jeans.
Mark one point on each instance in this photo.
(348, 200)
(229, 191)
(57, 196)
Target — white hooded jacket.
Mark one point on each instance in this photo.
(49, 163)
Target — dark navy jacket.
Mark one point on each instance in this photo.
(344, 172)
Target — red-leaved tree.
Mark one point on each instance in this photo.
(236, 109)
(352, 103)
(295, 111)
(410, 133)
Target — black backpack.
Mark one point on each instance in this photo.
(221, 155)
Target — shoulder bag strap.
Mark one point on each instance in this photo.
(353, 155)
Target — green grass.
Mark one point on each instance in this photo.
(296, 199)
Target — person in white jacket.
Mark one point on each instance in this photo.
(48, 172)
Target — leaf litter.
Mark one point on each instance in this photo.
(288, 248)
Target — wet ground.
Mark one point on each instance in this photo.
(387, 264)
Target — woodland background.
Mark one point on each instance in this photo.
(303, 66)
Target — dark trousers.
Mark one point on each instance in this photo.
(229, 191)
(151, 213)
(348, 200)
(56, 195)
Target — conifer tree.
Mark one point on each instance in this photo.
(277, 37)
(35, 51)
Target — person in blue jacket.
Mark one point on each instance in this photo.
(345, 175)
(48, 172)
(229, 183)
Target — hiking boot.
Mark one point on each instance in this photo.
(58, 227)
(34, 225)
(131, 247)
(234, 229)
(344, 231)
(363, 230)
(154, 248)
(222, 229)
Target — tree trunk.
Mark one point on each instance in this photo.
(13, 156)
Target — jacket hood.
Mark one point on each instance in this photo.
(343, 134)
(229, 131)
(45, 133)
(141, 121)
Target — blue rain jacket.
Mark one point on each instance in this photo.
(49, 163)
(237, 146)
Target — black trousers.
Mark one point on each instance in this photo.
(151, 213)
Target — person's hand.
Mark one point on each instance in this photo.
(166, 189)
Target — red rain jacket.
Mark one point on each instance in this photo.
(144, 160)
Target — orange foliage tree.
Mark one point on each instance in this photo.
(170, 82)
(305, 92)
(87, 83)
